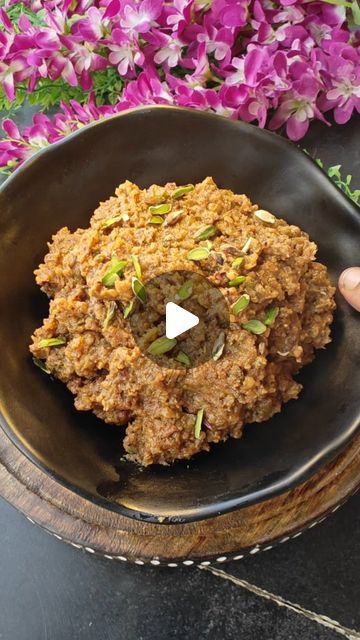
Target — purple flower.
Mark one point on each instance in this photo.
(298, 107)
(283, 63)
(140, 17)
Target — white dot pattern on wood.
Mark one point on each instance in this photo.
(204, 563)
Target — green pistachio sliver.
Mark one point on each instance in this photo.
(117, 267)
(205, 232)
(112, 308)
(201, 253)
(236, 281)
(137, 266)
(160, 209)
(271, 315)
(219, 346)
(247, 245)
(237, 262)
(50, 342)
(156, 220)
(198, 423)
(129, 309)
(209, 245)
(161, 345)
(185, 291)
(255, 326)
(139, 290)
(240, 304)
(181, 191)
(265, 216)
(173, 217)
(41, 365)
(108, 222)
(183, 358)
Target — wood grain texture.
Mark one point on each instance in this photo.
(79, 521)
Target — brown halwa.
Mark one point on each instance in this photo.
(279, 314)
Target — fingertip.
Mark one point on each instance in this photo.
(349, 286)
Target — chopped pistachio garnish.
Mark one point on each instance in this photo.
(201, 253)
(156, 220)
(271, 315)
(209, 244)
(247, 245)
(112, 308)
(137, 267)
(240, 304)
(198, 423)
(265, 216)
(160, 209)
(183, 358)
(205, 232)
(108, 222)
(219, 346)
(139, 289)
(129, 309)
(173, 217)
(161, 345)
(237, 262)
(255, 326)
(50, 342)
(41, 365)
(181, 191)
(117, 267)
(185, 291)
(236, 281)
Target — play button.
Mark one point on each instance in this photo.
(178, 320)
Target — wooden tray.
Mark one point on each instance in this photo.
(83, 524)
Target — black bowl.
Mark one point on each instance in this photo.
(61, 186)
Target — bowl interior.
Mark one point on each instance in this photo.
(61, 187)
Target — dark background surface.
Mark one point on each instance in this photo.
(50, 591)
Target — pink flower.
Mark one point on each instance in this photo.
(140, 18)
(297, 107)
(8, 73)
(125, 52)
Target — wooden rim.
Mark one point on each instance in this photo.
(84, 524)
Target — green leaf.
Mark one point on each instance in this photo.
(198, 423)
(355, 8)
(240, 304)
(139, 290)
(334, 172)
(255, 326)
(161, 345)
(50, 342)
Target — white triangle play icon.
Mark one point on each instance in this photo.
(178, 320)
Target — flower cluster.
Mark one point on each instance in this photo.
(272, 63)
